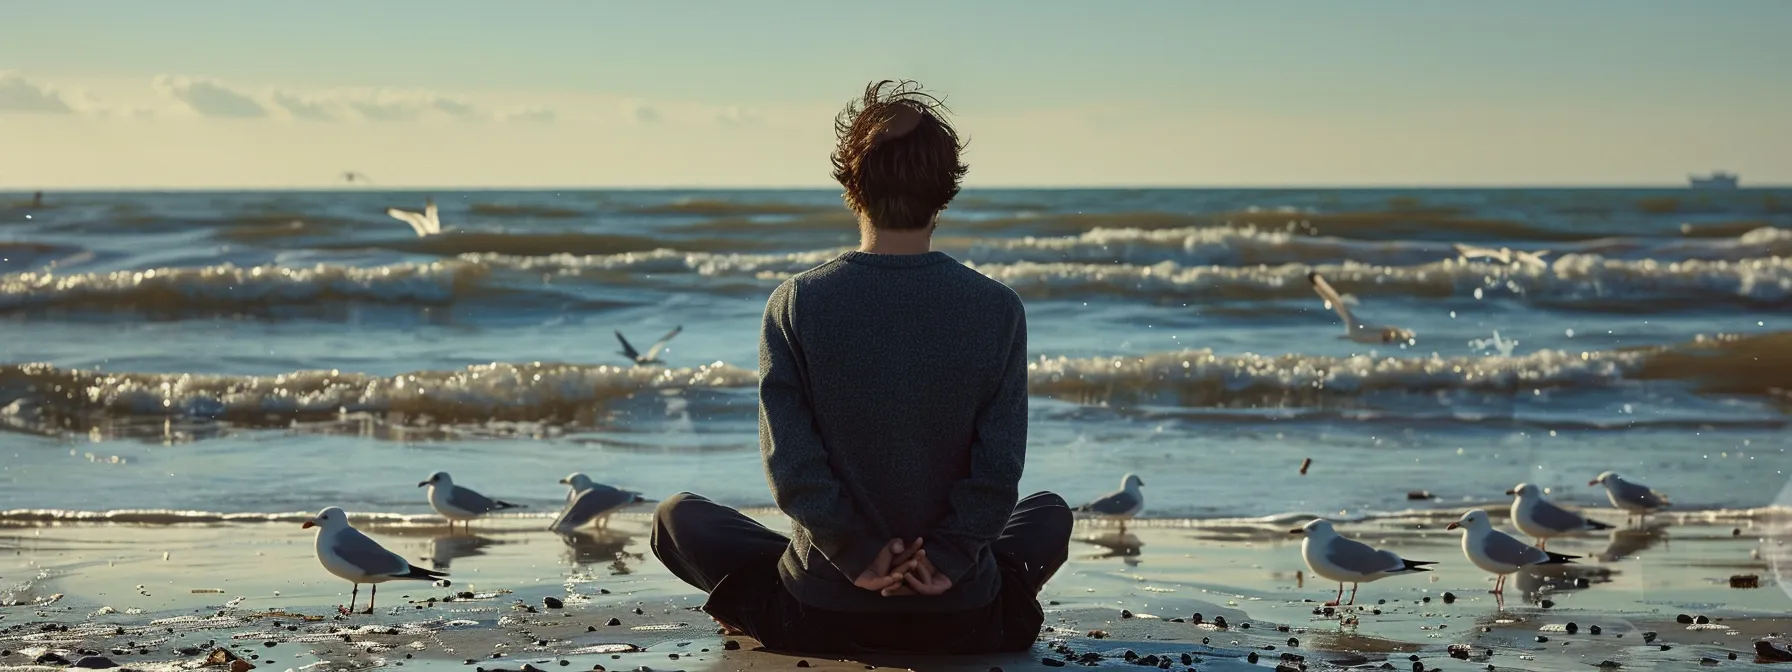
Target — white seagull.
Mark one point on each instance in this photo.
(1635, 499)
(1504, 255)
(1496, 552)
(1120, 504)
(424, 223)
(587, 501)
(652, 356)
(352, 556)
(1542, 519)
(1353, 330)
(1333, 557)
(457, 503)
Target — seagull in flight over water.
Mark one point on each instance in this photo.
(352, 177)
(1354, 330)
(424, 223)
(652, 356)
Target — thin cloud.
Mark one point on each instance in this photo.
(644, 113)
(392, 105)
(533, 115)
(305, 108)
(736, 116)
(18, 94)
(210, 97)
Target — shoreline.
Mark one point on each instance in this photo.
(166, 589)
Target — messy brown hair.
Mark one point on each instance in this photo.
(897, 156)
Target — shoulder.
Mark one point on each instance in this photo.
(989, 292)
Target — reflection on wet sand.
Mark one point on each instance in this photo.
(446, 548)
(605, 546)
(1625, 544)
(1123, 545)
(1532, 581)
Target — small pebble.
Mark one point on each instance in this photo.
(1572, 628)
(1449, 598)
(1701, 620)
(638, 611)
(614, 622)
(1648, 637)
(552, 602)
(1594, 629)
(1125, 614)
(1547, 604)
(1683, 619)
(1665, 647)
(731, 645)
(1251, 658)
(1051, 662)
(1293, 642)
(1541, 639)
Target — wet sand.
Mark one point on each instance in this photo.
(163, 597)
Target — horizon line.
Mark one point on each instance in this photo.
(1066, 187)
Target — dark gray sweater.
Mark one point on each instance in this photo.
(893, 404)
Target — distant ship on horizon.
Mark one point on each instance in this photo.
(1717, 180)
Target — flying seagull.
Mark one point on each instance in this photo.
(1353, 330)
(424, 223)
(459, 504)
(352, 556)
(652, 356)
(1334, 557)
(352, 177)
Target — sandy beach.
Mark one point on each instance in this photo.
(164, 597)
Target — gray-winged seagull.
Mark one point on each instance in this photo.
(457, 503)
(352, 556)
(1496, 552)
(1334, 557)
(1542, 519)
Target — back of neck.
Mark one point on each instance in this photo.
(873, 240)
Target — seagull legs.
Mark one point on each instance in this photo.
(1499, 586)
(1352, 592)
(1541, 542)
(353, 593)
(1339, 599)
(373, 591)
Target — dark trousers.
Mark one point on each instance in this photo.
(708, 545)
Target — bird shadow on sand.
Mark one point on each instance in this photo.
(586, 547)
(1123, 545)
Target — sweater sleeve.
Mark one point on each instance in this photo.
(982, 502)
(796, 461)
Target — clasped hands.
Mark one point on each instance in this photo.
(903, 569)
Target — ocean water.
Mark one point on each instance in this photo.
(267, 353)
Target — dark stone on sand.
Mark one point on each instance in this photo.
(1130, 655)
(1648, 636)
(1666, 647)
(1293, 642)
(1732, 655)
(1281, 628)
(1701, 620)
(188, 650)
(1594, 630)
(552, 602)
(1196, 619)
(1051, 662)
(465, 595)
(638, 612)
(1449, 598)
(1542, 640)
(1418, 666)
(1098, 634)
(1188, 659)
(1125, 614)
(1546, 604)
(1251, 658)
(731, 645)
(95, 663)
(590, 628)
(1426, 600)
(1582, 582)
(614, 622)
(1149, 661)
(1219, 622)
(1609, 665)
(1572, 627)
(270, 643)
(1245, 625)
(1707, 661)
(1683, 619)
(1417, 495)
(469, 661)
(1377, 612)
(1175, 620)
(1205, 641)
(1745, 581)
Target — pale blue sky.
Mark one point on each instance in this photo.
(1052, 92)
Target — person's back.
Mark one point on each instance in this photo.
(893, 414)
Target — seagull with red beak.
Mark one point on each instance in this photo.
(353, 557)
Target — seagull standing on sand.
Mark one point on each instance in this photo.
(652, 356)
(587, 501)
(352, 556)
(1121, 504)
(457, 503)
(1333, 557)
(1504, 255)
(1635, 499)
(1496, 552)
(1542, 519)
(1354, 330)
(424, 223)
